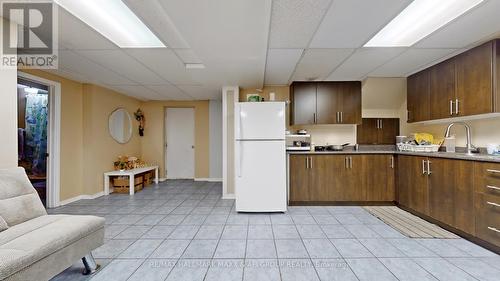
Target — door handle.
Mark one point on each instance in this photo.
(341, 117)
(423, 167)
(307, 163)
(314, 118)
(337, 117)
(392, 162)
(350, 162)
(381, 123)
(346, 163)
(311, 162)
(429, 172)
(451, 107)
(457, 106)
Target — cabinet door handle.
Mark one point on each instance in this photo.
(307, 163)
(341, 117)
(378, 123)
(314, 118)
(457, 106)
(381, 124)
(350, 162)
(392, 162)
(492, 204)
(346, 160)
(311, 162)
(451, 107)
(493, 229)
(493, 171)
(337, 117)
(423, 167)
(493, 187)
(429, 172)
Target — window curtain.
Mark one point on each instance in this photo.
(36, 131)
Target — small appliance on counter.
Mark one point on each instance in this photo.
(331, 147)
(301, 141)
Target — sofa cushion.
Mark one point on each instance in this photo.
(26, 243)
(3, 224)
(19, 201)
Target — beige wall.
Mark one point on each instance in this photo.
(153, 142)
(100, 149)
(87, 149)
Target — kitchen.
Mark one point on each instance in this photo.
(338, 154)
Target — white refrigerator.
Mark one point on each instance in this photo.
(260, 159)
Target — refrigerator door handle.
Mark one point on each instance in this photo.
(239, 160)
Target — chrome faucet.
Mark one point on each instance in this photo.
(470, 148)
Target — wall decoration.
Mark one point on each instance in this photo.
(139, 116)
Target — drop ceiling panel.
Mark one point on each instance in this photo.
(187, 56)
(70, 75)
(225, 34)
(410, 61)
(480, 23)
(169, 92)
(136, 91)
(280, 65)
(120, 62)
(154, 16)
(351, 23)
(202, 92)
(165, 63)
(293, 22)
(73, 62)
(317, 64)
(77, 35)
(364, 61)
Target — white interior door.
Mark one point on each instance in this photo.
(179, 132)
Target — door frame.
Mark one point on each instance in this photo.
(165, 138)
(53, 138)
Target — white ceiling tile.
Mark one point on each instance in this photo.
(293, 22)
(280, 65)
(73, 62)
(364, 61)
(136, 91)
(202, 92)
(155, 17)
(120, 62)
(317, 64)
(169, 92)
(165, 63)
(480, 23)
(77, 35)
(70, 75)
(410, 61)
(187, 56)
(351, 23)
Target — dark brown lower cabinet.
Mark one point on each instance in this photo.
(451, 193)
(487, 201)
(379, 177)
(341, 178)
(413, 183)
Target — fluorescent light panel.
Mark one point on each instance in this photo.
(419, 19)
(114, 20)
(194, 66)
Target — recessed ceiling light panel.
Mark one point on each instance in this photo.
(115, 21)
(194, 66)
(419, 19)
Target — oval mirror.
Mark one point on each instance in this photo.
(120, 125)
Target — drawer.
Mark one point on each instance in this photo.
(487, 178)
(488, 218)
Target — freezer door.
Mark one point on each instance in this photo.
(260, 120)
(260, 176)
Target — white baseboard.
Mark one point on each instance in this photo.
(229, 196)
(80, 197)
(162, 179)
(209, 179)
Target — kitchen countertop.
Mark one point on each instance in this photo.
(392, 150)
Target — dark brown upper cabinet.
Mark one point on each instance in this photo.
(325, 103)
(378, 131)
(418, 96)
(464, 85)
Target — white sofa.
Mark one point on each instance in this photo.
(37, 246)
